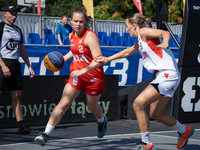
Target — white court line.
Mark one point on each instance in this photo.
(107, 136)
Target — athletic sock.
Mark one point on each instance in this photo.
(100, 120)
(22, 124)
(49, 128)
(146, 137)
(179, 127)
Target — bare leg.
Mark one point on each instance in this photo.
(156, 112)
(93, 106)
(16, 104)
(151, 96)
(68, 96)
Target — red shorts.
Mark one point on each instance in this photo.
(92, 86)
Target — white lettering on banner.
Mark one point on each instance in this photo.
(32, 60)
(190, 94)
(121, 72)
(45, 109)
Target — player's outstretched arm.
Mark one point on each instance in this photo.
(125, 53)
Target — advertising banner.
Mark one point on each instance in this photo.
(130, 69)
(41, 94)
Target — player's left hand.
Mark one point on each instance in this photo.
(32, 72)
(162, 45)
(76, 73)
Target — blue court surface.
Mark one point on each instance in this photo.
(122, 134)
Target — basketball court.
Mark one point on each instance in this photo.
(121, 134)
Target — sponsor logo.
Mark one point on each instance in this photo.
(12, 45)
(196, 7)
(80, 42)
(144, 55)
(80, 58)
(93, 80)
(10, 7)
(75, 81)
(93, 92)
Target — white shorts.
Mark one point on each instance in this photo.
(167, 82)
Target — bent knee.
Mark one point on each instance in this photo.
(154, 116)
(137, 105)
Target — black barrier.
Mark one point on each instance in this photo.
(189, 55)
(186, 107)
(42, 93)
(186, 99)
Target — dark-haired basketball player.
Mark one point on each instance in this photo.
(84, 73)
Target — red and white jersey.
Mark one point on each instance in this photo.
(82, 56)
(156, 59)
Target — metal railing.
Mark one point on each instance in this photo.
(34, 23)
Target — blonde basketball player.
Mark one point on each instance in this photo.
(156, 57)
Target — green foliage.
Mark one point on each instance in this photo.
(59, 8)
(148, 8)
(5, 2)
(175, 8)
(108, 10)
(112, 10)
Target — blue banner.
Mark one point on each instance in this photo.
(130, 69)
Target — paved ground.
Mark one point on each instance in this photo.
(121, 134)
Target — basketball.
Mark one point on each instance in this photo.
(54, 61)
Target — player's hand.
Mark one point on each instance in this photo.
(76, 73)
(101, 59)
(6, 71)
(163, 46)
(32, 72)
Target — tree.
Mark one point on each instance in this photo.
(59, 8)
(108, 10)
(114, 9)
(5, 2)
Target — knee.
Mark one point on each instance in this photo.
(17, 97)
(93, 108)
(137, 105)
(154, 115)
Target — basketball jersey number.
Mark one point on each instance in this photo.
(191, 100)
(80, 48)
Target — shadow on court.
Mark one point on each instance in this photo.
(121, 134)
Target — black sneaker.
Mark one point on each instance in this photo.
(27, 130)
(102, 128)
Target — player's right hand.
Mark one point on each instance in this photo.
(6, 71)
(101, 59)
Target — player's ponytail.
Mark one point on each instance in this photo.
(148, 20)
(139, 19)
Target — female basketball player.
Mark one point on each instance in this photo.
(156, 58)
(84, 73)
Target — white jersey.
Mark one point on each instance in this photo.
(156, 59)
(10, 40)
(163, 62)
